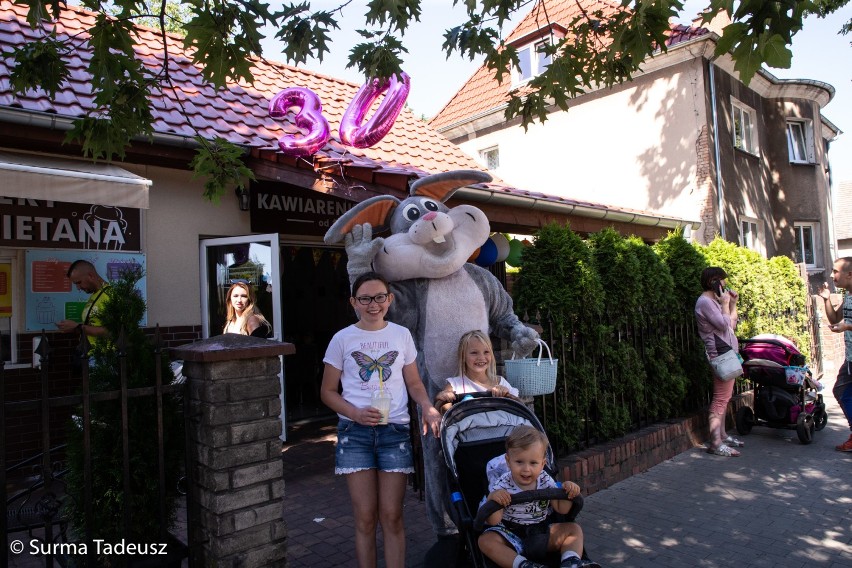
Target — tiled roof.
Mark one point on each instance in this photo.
(238, 113)
(483, 93)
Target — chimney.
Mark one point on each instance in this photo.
(717, 25)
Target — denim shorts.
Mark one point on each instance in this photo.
(386, 448)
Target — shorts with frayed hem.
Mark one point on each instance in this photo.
(386, 448)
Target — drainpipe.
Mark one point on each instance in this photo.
(720, 196)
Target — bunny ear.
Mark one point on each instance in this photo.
(442, 186)
(376, 211)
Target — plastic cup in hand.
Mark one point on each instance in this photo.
(382, 402)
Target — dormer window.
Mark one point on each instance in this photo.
(532, 61)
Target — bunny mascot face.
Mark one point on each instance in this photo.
(439, 296)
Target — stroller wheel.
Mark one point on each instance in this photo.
(805, 428)
(744, 420)
(820, 418)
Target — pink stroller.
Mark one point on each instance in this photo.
(785, 393)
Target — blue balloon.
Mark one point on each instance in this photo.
(487, 254)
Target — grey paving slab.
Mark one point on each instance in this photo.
(781, 505)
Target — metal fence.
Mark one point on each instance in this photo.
(36, 490)
(572, 412)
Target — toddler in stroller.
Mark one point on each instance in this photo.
(474, 439)
(785, 393)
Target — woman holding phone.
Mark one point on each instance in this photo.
(716, 317)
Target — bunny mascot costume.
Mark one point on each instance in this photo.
(439, 296)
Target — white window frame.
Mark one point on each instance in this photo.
(800, 141)
(535, 61)
(486, 153)
(799, 228)
(744, 127)
(751, 234)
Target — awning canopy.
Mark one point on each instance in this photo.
(57, 179)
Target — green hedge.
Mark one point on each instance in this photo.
(619, 314)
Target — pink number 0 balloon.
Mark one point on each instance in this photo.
(309, 118)
(351, 130)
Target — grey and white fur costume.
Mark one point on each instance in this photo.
(438, 295)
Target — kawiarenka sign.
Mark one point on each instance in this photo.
(278, 207)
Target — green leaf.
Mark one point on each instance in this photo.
(395, 13)
(732, 34)
(305, 36)
(39, 65)
(379, 59)
(747, 61)
(41, 10)
(221, 165)
(776, 53)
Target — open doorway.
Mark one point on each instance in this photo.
(315, 305)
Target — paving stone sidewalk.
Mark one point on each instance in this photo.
(781, 504)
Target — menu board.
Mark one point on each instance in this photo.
(50, 295)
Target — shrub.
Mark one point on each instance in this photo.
(121, 313)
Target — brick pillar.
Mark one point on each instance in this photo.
(236, 496)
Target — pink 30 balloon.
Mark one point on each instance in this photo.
(396, 91)
(309, 118)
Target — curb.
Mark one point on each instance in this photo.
(606, 464)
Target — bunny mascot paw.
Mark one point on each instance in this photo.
(361, 249)
(523, 340)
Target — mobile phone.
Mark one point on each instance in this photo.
(719, 288)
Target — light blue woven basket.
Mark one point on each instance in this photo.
(533, 376)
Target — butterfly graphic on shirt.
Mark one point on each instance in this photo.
(367, 365)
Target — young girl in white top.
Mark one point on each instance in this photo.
(477, 372)
(374, 451)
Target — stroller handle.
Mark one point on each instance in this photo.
(490, 507)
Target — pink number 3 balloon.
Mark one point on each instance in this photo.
(309, 118)
(352, 132)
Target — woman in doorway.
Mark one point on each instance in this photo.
(243, 317)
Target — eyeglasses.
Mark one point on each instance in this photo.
(378, 298)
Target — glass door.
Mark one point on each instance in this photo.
(251, 258)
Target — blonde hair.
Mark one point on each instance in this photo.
(251, 310)
(524, 436)
(464, 344)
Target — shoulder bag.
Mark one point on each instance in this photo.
(727, 366)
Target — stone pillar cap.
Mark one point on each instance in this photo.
(231, 346)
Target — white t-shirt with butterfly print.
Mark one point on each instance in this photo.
(365, 356)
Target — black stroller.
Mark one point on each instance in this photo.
(473, 432)
(785, 393)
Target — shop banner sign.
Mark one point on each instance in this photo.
(284, 208)
(36, 223)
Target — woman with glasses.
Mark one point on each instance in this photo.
(372, 359)
(243, 317)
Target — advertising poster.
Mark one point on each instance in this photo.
(51, 297)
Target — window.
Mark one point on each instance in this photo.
(800, 141)
(751, 234)
(745, 133)
(532, 61)
(805, 244)
(490, 157)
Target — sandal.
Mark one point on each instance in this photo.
(733, 442)
(724, 450)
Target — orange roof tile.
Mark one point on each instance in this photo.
(483, 92)
(238, 113)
